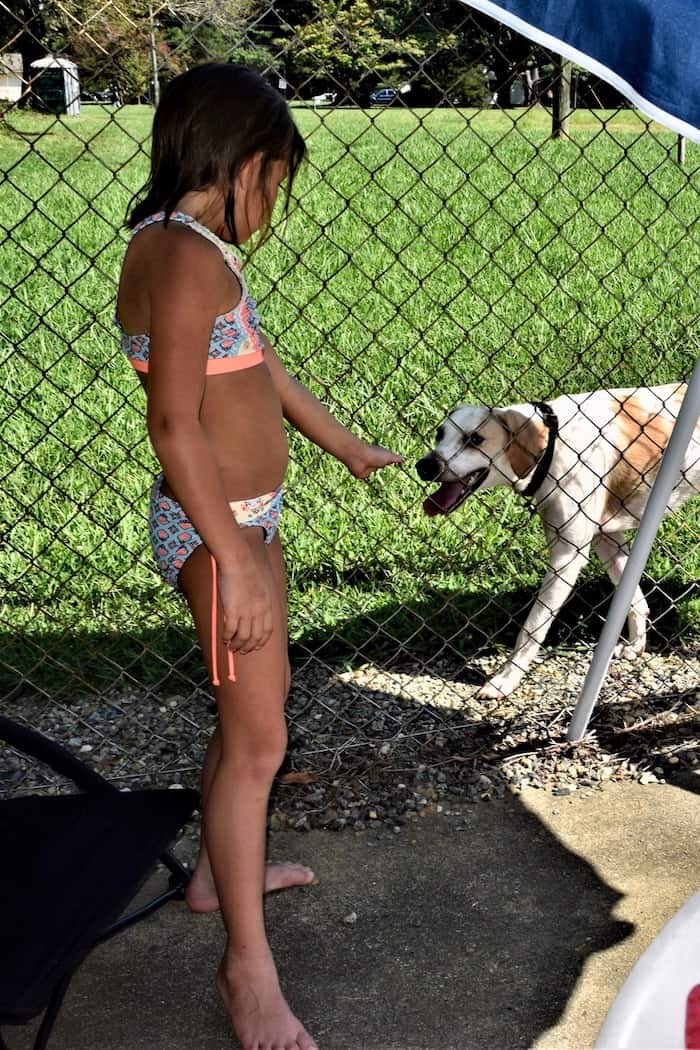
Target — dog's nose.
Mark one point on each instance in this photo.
(428, 468)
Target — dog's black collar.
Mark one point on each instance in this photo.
(552, 423)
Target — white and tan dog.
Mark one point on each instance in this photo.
(588, 462)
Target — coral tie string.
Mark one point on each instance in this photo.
(215, 634)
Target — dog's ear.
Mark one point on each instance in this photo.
(527, 439)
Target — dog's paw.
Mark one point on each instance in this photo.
(495, 689)
(625, 651)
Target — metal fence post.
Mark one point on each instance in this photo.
(646, 534)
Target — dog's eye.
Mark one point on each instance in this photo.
(473, 440)
(439, 435)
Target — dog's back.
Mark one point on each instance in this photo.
(610, 449)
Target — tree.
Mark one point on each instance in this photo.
(349, 44)
(205, 30)
(223, 14)
(110, 44)
(446, 51)
(449, 69)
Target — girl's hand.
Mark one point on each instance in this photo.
(246, 595)
(365, 459)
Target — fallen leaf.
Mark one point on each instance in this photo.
(298, 778)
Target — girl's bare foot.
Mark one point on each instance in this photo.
(257, 1009)
(279, 875)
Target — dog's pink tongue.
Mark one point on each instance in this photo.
(442, 501)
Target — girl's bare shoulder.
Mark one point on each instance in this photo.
(175, 246)
(174, 259)
(172, 265)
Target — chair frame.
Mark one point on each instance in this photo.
(35, 745)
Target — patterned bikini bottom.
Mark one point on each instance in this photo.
(174, 537)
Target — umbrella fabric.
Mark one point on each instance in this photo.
(648, 50)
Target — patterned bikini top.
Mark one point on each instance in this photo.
(236, 340)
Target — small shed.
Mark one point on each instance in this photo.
(56, 86)
(11, 82)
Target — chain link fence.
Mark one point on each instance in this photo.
(477, 223)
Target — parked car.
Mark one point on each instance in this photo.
(109, 95)
(384, 96)
(326, 99)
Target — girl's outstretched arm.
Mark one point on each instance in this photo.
(312, 419)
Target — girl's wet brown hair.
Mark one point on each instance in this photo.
(210, 120)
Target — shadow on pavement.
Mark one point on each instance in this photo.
(472, 929)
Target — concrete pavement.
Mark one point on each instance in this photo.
(494, 926)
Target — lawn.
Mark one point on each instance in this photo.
(431, 257)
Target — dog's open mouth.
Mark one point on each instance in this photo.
(452, 494)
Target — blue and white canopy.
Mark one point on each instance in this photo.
(648, 49)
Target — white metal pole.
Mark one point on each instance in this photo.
(654, 511)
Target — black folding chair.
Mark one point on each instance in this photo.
(71, 865)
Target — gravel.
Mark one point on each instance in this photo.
(372, 746)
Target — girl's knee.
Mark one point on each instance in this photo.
(257, 752)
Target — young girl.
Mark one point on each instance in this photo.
(223, 141)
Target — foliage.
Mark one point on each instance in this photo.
(110, 45)
(471, 87)
(112, 41)
(354, 43)
(445, 51)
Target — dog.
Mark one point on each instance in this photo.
(587, 461)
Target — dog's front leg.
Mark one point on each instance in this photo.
(567, 561)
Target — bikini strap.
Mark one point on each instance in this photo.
(150, 220)
(230, 258)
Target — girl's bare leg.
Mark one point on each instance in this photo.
(252, 741)
(201, 891)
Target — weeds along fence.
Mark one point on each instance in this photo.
(472, 234)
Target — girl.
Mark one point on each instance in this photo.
(223, 142)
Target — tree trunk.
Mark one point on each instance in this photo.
(29, 46)
(561, 106)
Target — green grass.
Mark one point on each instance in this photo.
(433, 257)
